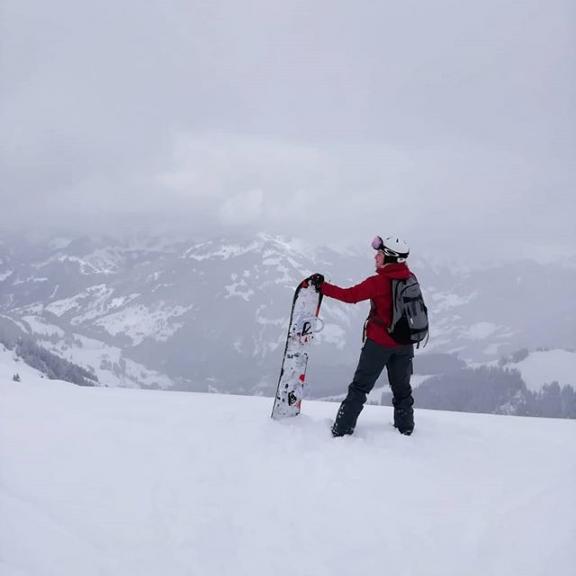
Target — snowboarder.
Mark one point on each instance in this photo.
(380, 349)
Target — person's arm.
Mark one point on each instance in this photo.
(363, 291)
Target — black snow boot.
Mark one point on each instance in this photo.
(404, 415)
(347, 415)
(337, 431)
(404, 420)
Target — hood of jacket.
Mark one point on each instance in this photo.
(395, 271)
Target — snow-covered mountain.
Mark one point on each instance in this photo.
(110, 482)
(158, 313)
(540, 367)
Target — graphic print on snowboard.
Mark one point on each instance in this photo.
(301, 329)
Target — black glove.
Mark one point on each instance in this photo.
(317, 280)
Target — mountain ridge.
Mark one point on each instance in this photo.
(173, 308)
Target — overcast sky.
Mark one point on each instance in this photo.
(450, 123)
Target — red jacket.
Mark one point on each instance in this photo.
(377, 289)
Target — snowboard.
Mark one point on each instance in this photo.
(304, 323)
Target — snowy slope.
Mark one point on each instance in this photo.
(102, 481)
(546, 366)
(10, 365)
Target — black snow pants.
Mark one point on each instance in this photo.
(373, 358)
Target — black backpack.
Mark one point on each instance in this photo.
(409, 324)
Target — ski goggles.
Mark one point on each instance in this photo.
(378, 243)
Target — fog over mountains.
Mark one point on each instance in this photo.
(212, 314)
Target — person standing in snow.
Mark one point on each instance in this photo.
(380, 349)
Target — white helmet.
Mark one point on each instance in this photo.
(392, 246)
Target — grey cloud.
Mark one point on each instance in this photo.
(448, 122)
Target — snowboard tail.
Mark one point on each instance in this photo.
(301, 329)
